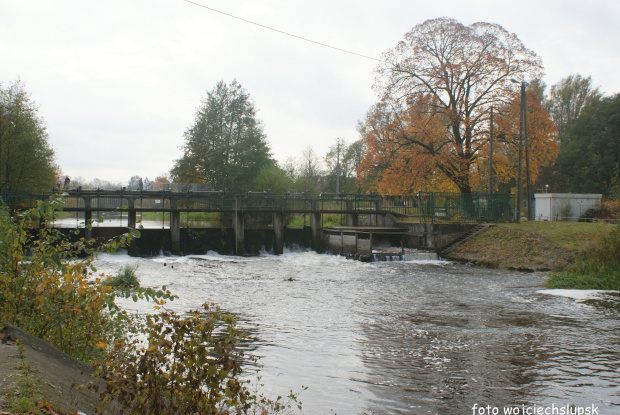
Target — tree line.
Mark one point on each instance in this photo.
(442, 91)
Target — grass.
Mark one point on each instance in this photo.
(597, 265)
(569, 235)
(125, 279)
(589, 277)
(581, 255)
(530, 245)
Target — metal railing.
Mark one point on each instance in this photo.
(425, 206)
(467, 207)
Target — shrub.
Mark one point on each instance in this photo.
(597, 266)
(49, 287)
(188, 365)
(125, 279)
(607, 210)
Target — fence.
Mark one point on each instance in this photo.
(466, 207)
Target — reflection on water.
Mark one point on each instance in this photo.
(404, 337)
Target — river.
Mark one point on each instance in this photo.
(410, 337)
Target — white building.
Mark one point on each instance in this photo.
(564, 206)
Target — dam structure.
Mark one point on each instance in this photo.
(260, 220)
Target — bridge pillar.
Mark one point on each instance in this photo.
(175, 231)
(379, 219)
(131, 213)
(352, 218)
(88, 217)
(315, 226)
(278, 229)
(239, 226)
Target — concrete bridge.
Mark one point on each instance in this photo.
(130, 203)
(369, 210)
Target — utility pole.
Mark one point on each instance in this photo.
(520, 163)
(338, 168)
(490, 186)
(527, 152)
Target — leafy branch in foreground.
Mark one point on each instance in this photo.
(49, 286)
(188, 364)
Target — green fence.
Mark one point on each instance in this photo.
(466, 207)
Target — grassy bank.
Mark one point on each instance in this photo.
(533, 245)
(596, 266)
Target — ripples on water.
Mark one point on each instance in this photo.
(403, 337)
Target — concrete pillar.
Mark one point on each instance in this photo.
(131, 212)
(428, 235)
(351, 219)
(88, 216)
(381, 220)
(175, 227)
(315, 226)
(278, 229)
(175, 231)
(239, 225)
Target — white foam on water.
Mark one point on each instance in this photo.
(579, 295)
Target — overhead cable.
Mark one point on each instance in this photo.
(282, 32)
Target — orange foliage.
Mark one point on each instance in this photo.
(407, 151)
(411, 150)
(542, 140)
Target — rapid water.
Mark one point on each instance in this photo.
(411, 337)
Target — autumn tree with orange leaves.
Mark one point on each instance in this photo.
(431, 127)
(542, 140)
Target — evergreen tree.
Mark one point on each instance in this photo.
(26, 157)
(226, 147)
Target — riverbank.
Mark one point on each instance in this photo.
(37, 378)
(530, 246)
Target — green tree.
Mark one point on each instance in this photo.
(589, 158)
(567, 98)
(350, 157)
(273, 178)
(226, 146)
(26, 157)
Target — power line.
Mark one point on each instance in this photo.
(282, 32)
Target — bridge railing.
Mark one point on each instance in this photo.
(426, 206)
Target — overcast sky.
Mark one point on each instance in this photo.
(119, 81)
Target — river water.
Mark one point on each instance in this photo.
(411, 337)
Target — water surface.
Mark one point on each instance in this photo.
(412, 337)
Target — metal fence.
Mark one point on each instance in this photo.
(467, 207)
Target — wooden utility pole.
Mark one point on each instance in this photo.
(527, 153)
(490, 186)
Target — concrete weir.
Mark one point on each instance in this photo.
(398, 242)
